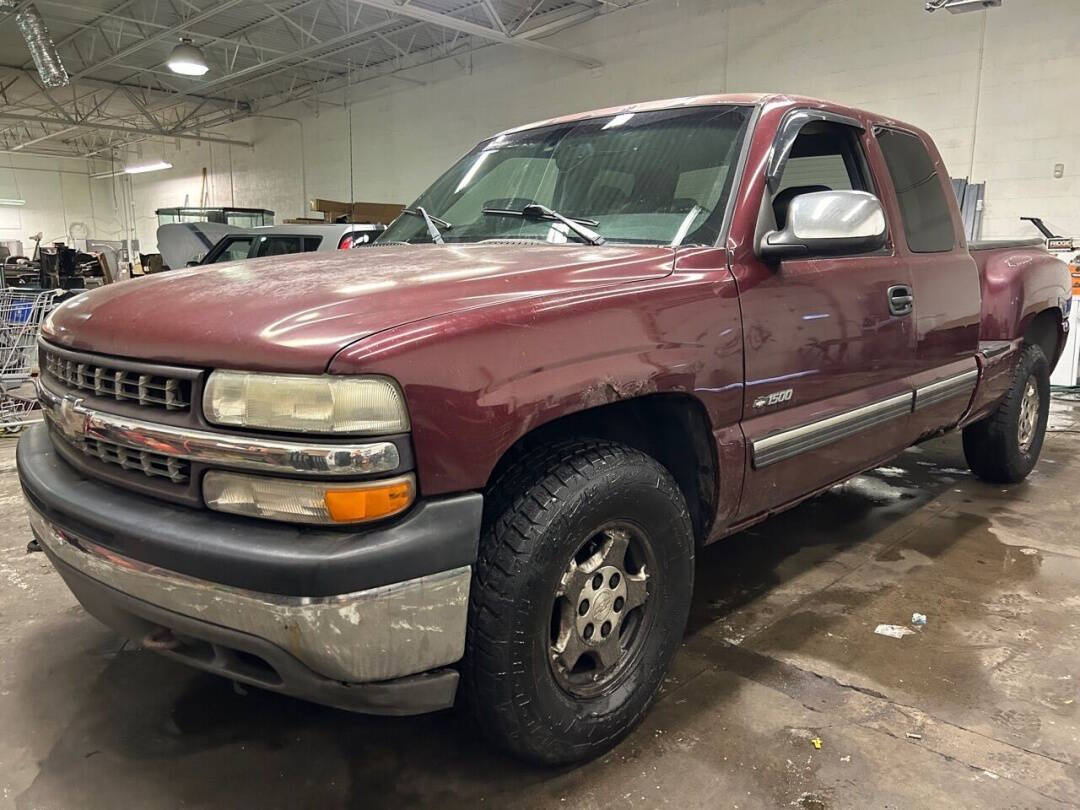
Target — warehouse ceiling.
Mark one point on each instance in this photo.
(261, 55)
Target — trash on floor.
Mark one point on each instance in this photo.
(893, 630)
(33, 546)
(918, 619)
(816, 742)
(913, 736)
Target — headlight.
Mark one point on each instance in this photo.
(308, 501)
(305, 403)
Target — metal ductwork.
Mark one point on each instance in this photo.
(32, 27)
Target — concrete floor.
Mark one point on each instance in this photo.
(977, 709)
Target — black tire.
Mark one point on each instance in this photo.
(541, 512)
(992, 446)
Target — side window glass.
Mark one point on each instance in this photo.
(816, 170)
(924, 208)
(312, 243)
(236, 250)
(278, 245)
(825, 157)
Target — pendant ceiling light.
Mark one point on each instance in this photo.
(187, 60)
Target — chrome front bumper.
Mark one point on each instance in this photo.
(378, 634)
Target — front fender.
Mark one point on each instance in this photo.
(477, 381)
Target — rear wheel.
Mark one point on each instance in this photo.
(1004, 446)
(580, 597)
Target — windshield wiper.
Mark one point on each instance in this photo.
(542, 212)
(434, 224)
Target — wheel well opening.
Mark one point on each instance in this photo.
(672, 428)
(1044, 331)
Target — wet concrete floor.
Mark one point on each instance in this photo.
(979, 708)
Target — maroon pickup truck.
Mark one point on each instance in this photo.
(476, 459)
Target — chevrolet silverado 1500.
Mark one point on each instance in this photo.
(476, 459)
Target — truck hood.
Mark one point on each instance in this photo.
(294, 313)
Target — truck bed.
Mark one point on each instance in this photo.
(994, 244)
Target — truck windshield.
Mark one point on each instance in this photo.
(659, 177)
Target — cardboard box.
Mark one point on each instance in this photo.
(359, 212)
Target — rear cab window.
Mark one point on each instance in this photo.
(924, 209)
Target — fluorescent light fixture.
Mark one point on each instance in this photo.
(156, 166)
(12, 202)
(187, 60)
(147, 167)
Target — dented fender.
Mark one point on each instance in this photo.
(475, 382)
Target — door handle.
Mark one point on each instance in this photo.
(901, 299)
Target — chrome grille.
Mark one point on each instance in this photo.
(104, 381)
(154, 465)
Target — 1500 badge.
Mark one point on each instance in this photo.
(775, 398)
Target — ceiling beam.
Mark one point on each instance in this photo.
(199, 37)
(535, 7)
(47, 136)
(311, 90)
(477, 30)
(31, 153)
(181, 27)
(60, 122)
(112, 85)
(493, 15)
(269, 67)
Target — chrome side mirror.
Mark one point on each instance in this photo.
(827, 223)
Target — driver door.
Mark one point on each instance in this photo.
(827, 353)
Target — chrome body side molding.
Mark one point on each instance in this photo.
(992, 348)
(789, 443)
(946, 389)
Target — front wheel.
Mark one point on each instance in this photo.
(579, 601)
(1004, 446)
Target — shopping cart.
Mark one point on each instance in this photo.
(21, 314)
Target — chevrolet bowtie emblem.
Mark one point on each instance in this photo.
(71, 418)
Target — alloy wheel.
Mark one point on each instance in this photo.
(1029, 415)
(600, 611)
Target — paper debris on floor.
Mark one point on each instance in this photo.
(893, 630)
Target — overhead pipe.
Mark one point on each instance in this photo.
(42, 49)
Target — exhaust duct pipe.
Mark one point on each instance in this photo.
(46, 59)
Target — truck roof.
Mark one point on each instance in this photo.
(750, 99)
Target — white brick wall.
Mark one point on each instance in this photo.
(997, 90)
(57, 195)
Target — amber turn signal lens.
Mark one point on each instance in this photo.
(371, 502)
(325, 502)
